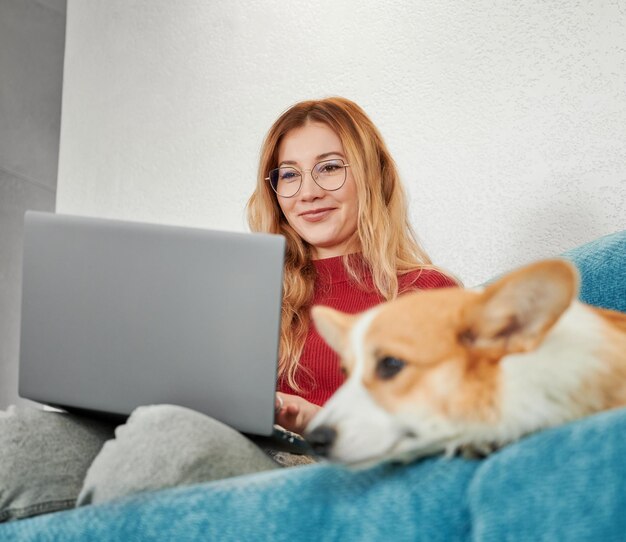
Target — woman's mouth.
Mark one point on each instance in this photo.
(317, 214)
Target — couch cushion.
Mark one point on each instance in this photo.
(602, 266)
(565, 483)
(424, 501)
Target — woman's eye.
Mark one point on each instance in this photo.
(289, 176)
(329, 168)
(389, 367)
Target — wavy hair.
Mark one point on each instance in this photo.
(388, 243)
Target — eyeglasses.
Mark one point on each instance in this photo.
(330, 175)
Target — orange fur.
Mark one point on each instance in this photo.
(427, 337)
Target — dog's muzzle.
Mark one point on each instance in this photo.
(322, 439)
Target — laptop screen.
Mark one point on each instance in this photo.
(119, 314)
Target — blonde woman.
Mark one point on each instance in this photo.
(327, 182)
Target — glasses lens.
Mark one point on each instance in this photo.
(330, 174)
(285, 181)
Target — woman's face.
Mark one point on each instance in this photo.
(324, 219)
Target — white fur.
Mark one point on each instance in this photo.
(364, 430)
(357, 340)
(542, 388)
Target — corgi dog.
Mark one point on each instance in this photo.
(467, 371)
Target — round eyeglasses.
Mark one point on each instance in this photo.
(330, 175)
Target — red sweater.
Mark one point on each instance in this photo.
(320, 375)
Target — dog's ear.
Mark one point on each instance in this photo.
(333, 326)
(514, 313)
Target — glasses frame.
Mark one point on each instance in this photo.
(303, 171)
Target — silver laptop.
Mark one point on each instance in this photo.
(120, 314)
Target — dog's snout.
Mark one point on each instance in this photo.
(321, 439)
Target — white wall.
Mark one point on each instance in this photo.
(507, 119)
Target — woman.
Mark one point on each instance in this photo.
(328, 184)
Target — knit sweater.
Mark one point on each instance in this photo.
(319, 374)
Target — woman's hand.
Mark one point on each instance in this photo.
(294, 413)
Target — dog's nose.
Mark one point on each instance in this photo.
(321, 439)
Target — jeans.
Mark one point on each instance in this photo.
(50, 461)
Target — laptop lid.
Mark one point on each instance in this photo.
(120, 314)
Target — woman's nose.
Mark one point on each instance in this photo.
(309, 188)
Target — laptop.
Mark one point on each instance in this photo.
(118, 314)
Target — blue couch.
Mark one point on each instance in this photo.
(567, 483)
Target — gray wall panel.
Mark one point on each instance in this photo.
(32, 40)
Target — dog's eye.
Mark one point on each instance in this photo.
(389, 367)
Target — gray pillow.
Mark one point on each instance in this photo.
(43, 459)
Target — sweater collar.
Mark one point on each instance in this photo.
(333, 271)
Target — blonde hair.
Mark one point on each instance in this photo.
(388, 243)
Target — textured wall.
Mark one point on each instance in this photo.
(507, 119)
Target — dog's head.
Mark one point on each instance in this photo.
(425, 366)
